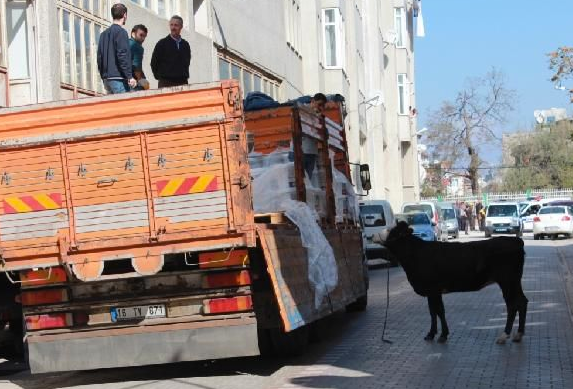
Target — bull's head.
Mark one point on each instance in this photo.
(402, 230)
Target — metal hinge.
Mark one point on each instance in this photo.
(129, 164)
(161, 160)
(233, 137)
(82, 170)
(242, 182)
(49, 174)
(208, 156)
(6, 178)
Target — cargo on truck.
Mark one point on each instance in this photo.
(128, 233)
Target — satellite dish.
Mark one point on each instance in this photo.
(539, 116)
(390, 37)
(377, 98)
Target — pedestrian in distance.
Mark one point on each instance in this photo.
(171, 57)
(138, 35)
(468, 218)
(463, 217)
(114, 56)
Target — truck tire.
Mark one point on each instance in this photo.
(289, 344)
(359, 305)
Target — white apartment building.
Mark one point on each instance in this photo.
(361, 49)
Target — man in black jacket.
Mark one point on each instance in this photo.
(114, 56)
(171, 57)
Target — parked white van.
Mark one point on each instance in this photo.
(377, 218)
(503, 218)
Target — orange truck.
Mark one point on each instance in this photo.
(128, 235)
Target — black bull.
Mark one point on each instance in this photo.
(434, 268)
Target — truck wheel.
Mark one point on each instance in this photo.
(359, 305)
(289, 344)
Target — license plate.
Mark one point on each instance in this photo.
(551, 228)
(500, 229)
(138, 312)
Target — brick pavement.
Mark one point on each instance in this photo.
(353, 356)
(470, 359)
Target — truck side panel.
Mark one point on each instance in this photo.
(288, 267)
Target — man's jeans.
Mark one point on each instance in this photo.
(116, 86)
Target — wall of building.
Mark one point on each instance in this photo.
(259, 35)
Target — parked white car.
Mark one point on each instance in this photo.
(553, 220)
(377, 219)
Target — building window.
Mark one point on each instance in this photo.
(400, 26)
(403, 95)
(95, 7)
(79, 37)
(250, 78)
(17, 34)
(333, 38)
(293, 24)
(164, 8)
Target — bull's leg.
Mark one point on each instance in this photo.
(522, 309)
(442, 315)
(434, 326)
(510, 297)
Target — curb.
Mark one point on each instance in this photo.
(568, 281)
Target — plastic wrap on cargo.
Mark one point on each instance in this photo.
(322, 269)
(272, 186)
(346, 201)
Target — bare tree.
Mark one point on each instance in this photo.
(459, 129)
(561, 63)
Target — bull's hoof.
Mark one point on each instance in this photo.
(502, 338)
(429, 337)
(443, 339)
(517, 337)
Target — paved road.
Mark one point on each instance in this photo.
(352, 355)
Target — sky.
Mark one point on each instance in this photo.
(465, 39)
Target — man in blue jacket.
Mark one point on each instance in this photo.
(113, 54)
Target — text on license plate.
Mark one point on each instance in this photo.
(501, 229)
(138, 312)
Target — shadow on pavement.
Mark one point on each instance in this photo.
(327, 331)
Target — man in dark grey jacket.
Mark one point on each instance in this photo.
(172, 56)
(114, 56)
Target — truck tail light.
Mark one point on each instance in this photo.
(47, 321)
(53, 275)
(221, 280)
(223, 259)
(536, 219)
(227, 305)
(41, 297)
(566, 218)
